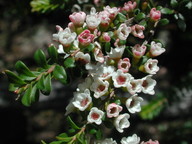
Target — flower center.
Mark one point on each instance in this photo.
(121, 80)
(144, 84)
(113, 110)
(84, 102)
(95, 116)
(124, 65)
(101, 88)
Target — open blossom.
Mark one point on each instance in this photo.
(113, 110)
(129, 6)
(134, 86)
(116, 53)
(121, 79)
(151, 66)
(77, 18)
(123, 31)
(105, 72)
(106, 141)
(82, 58)
(121, 122)
(112, 11)
(124, 64)
(99, 87)
(156, 49)
(95, 116)
(82, 100)
(155, 14)
(148, 85)
(65, 37)
(150, 142)
(93, 20)
(133, 104)
(85, 38)
(134, 139)
(138, 51)
(137, 31)
(105, 20)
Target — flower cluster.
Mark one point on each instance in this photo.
(111, 46)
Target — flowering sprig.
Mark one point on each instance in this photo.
(106, 47)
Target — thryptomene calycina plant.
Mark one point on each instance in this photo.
(114, 52)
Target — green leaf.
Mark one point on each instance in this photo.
(167, 11)
(140, 16)
(90, 47)
(13, 78)
(40, 83)
(152, 109)
(181, 24)
(52, 51)
(69, 62)
(40, 58)
(60, 74)
(42, 142)
(163, 22)
(21, 68)
(174, 3)
(31, 95)
(47, 83)
(93, 131)
(99, 134)
(12, 87)
(107, 46)
(121, 17)
(72, 124)
(143, 23)
(57, 142)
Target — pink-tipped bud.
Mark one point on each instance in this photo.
(137, 31)
(77, 18)
(106, 37)
(155, 15)
(85, 38)
(129, 6)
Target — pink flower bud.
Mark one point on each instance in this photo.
(137, 31)
(129, 6)
(124, 64)
(138, 51)
(150, 142)
(155, 14)
(85, 38)
(77, 18)
(106, 37)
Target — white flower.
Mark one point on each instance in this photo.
(151, 66)
(113, 110)
(106, 141)
(99, 87)
(116, 53)
(85, 85)
(82, 100)
(70, 107)
(123, 31)
(133, 103)
(156, 49)
(121, 79)
(122, 122)
(75, 8)
(104, 16)
(134, 139)
(65, 37)
(148, 85)
(98, 53)
(82, 1)
(112, 11)
(82, 58)
(134, 86)
(93, 20)
(95, 116)
(105, 72)
(60, 50)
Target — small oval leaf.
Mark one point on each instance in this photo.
(60, 74)
(40, 58)
(13, 78)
